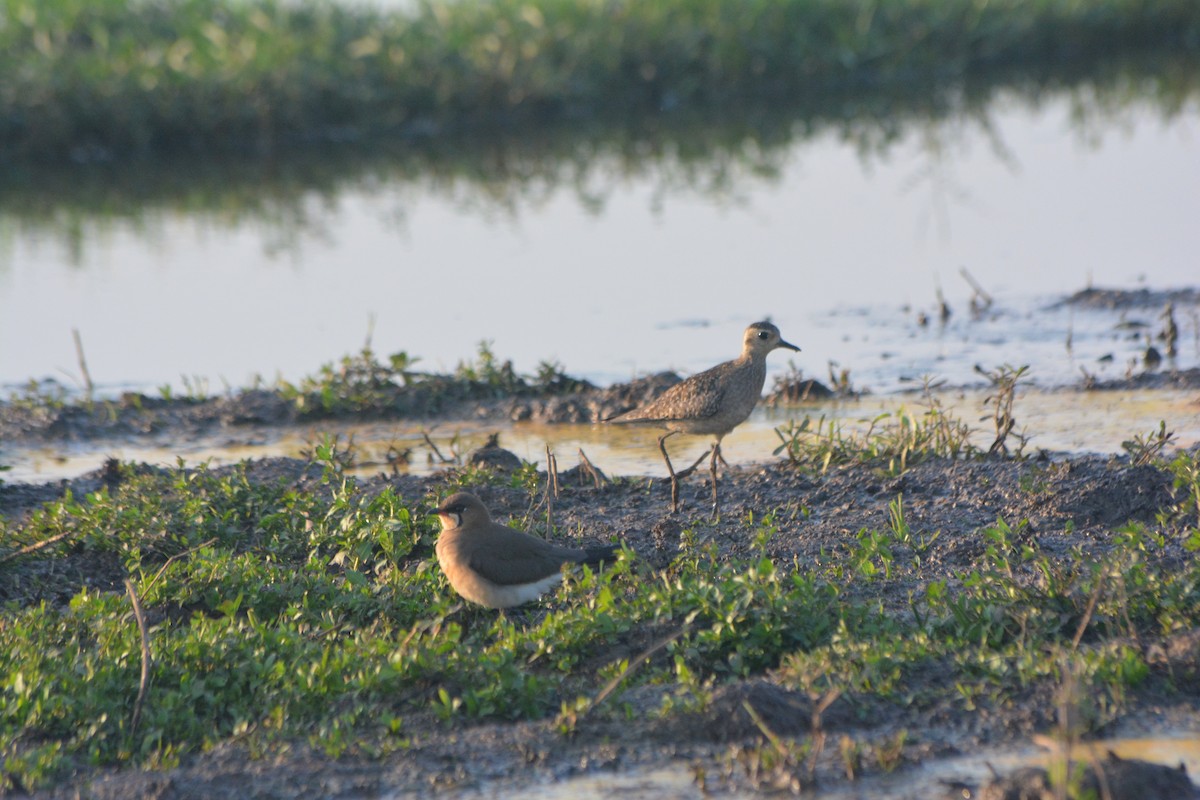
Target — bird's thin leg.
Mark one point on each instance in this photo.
(683, 473)
(716, 454)
(662, 446)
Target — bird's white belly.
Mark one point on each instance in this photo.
(478, 589)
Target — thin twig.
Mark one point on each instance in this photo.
(943, 307)
(33, 548)
(435, 450)
(552, 468)
(765, 729)
(167, 563)
(1087, 615)
(144, 684)
(598, 477)
(551, 489)
(87, 377)
(984, 296)
(612, 685)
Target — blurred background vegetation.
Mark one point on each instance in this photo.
(110, 80)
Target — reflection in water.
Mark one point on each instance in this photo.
(589, 246)
(721, 157)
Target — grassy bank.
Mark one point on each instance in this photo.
(103, 80)
(172, 611)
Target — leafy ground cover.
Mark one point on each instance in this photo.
(96, 81)
(284, 622)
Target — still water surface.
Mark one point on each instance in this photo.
(615, 265)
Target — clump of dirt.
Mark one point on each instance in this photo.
(1150, 379)
(589, 405)
(1122, 299)
(728, 718)
(1113, 777)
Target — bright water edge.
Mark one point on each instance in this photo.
(1097, 422)
(927, 780)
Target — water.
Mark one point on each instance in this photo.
(1097, 422)
(677, 782)
(616, 259)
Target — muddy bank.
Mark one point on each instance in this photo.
(148, 420)
(1129, 299)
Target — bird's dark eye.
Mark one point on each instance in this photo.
(764, 335)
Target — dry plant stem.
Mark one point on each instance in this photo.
(552, 469)
(433, 626)
(983, 295)
(83, 368)
(818, 728)
(435, 449)
(175, 557)
(33, 548)
(551, 488)
(1087, 614)
(598, 478)
(943, 307)
(761, 724)
(642, 658)
(144, 684)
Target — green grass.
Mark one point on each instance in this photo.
(362, 383)
(95, 80)
(276, 614)
(893, 441)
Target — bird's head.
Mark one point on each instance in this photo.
(461, 509)
(763, 337)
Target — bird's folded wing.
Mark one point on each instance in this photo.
(704, 399)
(509, 563)
(698, 397)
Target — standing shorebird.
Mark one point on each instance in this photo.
(496, 566)
(711, 402)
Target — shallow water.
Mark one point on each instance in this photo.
(926, 781)
(1071, 422)
(616, 263)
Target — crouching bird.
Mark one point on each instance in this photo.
(496, 566)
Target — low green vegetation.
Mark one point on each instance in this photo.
(87, 80)
(891, 441)
(894, 440)
(265, 613)
(363, 384)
